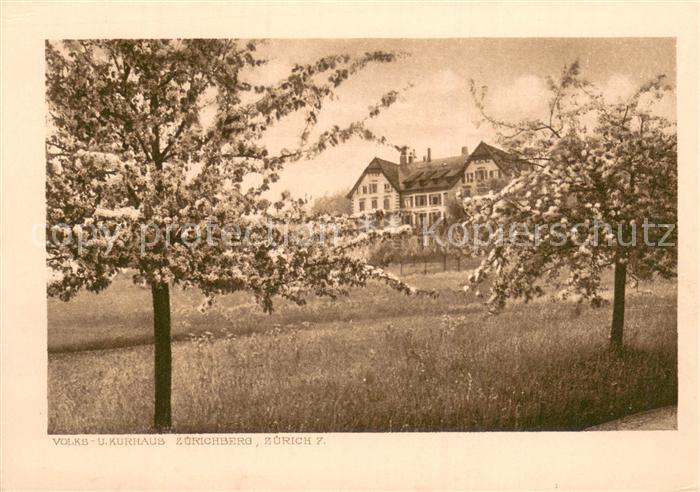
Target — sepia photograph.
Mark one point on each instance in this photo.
(361, 235)
(345, 246)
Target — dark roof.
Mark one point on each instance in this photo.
(508, 163)
(438, 173)
(388, 168)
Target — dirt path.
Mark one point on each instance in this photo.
(659, 419)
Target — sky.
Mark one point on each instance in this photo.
(437, 110)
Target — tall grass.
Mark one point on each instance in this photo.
(122, 315)
(542, 366)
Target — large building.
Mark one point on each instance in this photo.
(422, 189)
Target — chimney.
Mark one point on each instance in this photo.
(465, 150)
(403, 158)
(411, 156)
(428, 158)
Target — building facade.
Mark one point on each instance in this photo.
(423, 189)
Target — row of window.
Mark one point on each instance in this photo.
(372, 188)
(374, 203)
(418, 201)
(423, 218)
(478, 175)
(483, 174)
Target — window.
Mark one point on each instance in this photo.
(361, 204)
(435, 217)
(364, 189)
(387, 188)
(491, 174)
(408, 202)
(373, 187)
(421, 200)
(444, 198)
(387, 204)
(374, 203)
(498, 172)
(435, 199)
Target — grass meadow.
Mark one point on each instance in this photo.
(373, 361)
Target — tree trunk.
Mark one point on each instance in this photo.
(618, 318)
(401, 267)
(163, 358)
(459, 264)
(444, 263)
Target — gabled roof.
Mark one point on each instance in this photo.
(441, 173)
(388, 168)
(507, 163)
(435, 174)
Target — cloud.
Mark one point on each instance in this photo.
(665, 107)
(524, 97)
(445, 80)
(618, 88)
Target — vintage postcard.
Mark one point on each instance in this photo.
(250, 252)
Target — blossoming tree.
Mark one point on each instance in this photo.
(599, 191)
(136, 180)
